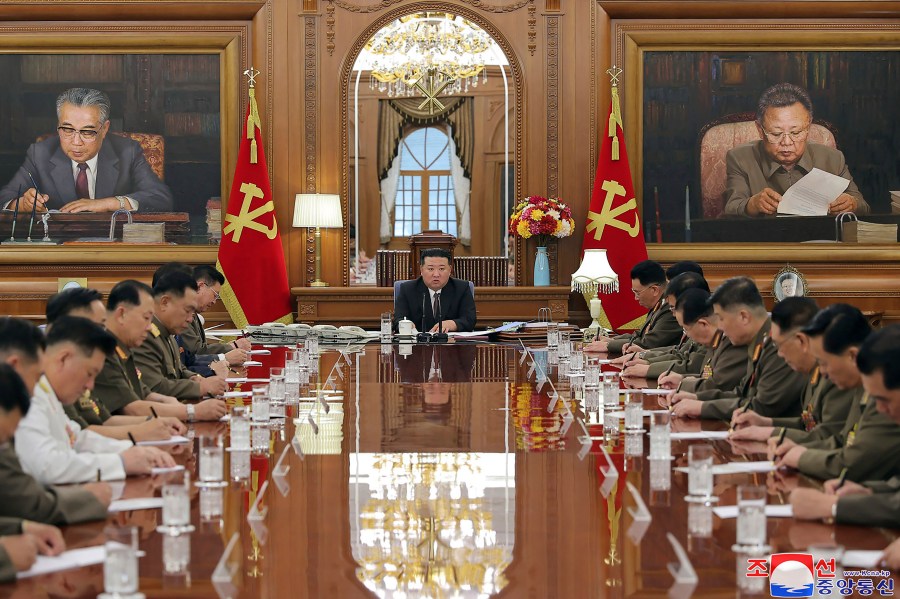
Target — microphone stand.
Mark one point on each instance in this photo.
(423, 336)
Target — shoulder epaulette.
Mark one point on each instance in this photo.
(121, 353)
(154, 330)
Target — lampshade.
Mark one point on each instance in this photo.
(595, 274)
(318, 210)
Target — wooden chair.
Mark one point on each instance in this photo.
(719, 136)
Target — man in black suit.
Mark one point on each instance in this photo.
(81, 170)
(435, 292)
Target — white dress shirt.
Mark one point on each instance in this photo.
(55, 450)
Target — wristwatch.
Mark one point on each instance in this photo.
(190, 411)
(123, 202)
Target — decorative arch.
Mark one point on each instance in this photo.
(517, 76)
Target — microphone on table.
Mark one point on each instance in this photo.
(440, 336)
(423, 336)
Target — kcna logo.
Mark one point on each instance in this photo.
(790, 574)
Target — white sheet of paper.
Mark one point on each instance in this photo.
(259, 352)
(738, 467)
(243, 379)
(646, 414)
(67, 560)
(859, 558)
(251, 363)
(175, 468)
(173, 440)
(655, 391)
(811, 195)
(772, 511)
(690, 436)
(237, 394)
(139, 503)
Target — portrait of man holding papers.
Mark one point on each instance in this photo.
(782, 173)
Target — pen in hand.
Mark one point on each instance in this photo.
(842, 477)
(781, 436)
(99, 476)
(152, 411)
(131, 438)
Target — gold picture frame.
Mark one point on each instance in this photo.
(789, 282)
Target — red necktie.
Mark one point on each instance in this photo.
(81, 183)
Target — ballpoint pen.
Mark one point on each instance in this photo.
(152, 411)
(131, 438)
(781, 436)
(841, 478)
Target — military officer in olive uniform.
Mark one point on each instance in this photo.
(685, 357)
(868, 446)
(21, 496)
(768, 386)
(175, 303)
(723, 364)
(877, 501)
(648, 281)
(193, 339)
(825, 405)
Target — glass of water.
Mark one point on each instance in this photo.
(634, 411)
(260, 403)
(211, 459)
(240, 463)
(301, 356)
(611, 391)
(176, 509)
(576, 358)
(552, 335)
(312, 344)
(387, 324)
(120, 569)
(751, 519)
(259, 438)
(700, 476)
(176, 552)
(276, 392)
(240, 428)
(592, 373)
(565, 345)
(660, 436)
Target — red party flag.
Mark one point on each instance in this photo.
(614, 223)
(250, 254)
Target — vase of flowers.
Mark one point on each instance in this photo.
(542, 218)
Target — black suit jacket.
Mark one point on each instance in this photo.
(457, 304)
(121, 170)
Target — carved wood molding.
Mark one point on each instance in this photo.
(518, 84)
(532, 28)
(311, 118)
(552, 106)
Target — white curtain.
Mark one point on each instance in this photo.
(388, 197)
(461, 186)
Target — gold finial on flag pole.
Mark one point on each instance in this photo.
(253, 121)
(615, 113)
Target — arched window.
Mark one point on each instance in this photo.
(425, 198)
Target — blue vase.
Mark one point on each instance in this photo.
(541, 268)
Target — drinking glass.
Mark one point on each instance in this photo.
(259, 438)
(312, 345)
(660, 474)
(660, 436)
(565, 345)
(610, 391)
(176, 553)
(276, 392)
(387, 324)
(120, 569)
(552, 335)
(634, 411)
(751, 519)
(291, 369)
(176, 508)
(576, 358)
(301, 356)
(292, 395)
(240, 428)
(700, 520)
(700, 476)
(212, 502)
(592, 373)
(240, 463)
(592, 400)
(260, 403)
(211, 459)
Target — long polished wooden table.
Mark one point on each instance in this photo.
(448, 471)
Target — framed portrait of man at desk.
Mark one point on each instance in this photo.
(169, 111)
(788, 282)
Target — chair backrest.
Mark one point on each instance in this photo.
(153, 145)
(719, 136)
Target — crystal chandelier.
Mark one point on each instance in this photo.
(444, 49)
